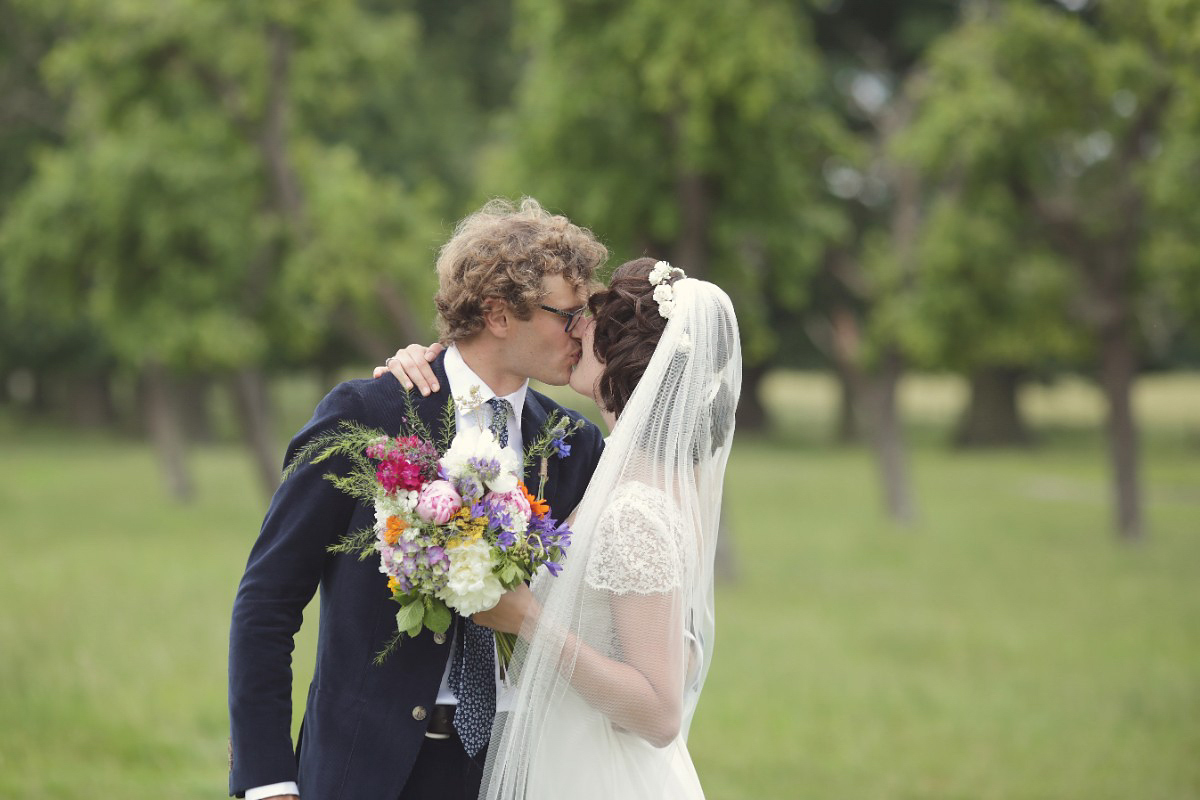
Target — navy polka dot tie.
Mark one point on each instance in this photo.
(501, 408)
(473, 680)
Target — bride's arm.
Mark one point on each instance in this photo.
(642, 692)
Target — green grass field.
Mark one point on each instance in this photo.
(1005, 647)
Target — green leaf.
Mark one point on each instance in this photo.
(410, 617)
(437, 616)
(511, 574)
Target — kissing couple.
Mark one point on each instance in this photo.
(612, 652)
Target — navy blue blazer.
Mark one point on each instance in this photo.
(359, 737)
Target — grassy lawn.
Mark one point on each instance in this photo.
(1005, 647)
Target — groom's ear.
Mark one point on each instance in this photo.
(496, 317)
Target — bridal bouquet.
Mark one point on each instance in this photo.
(455, 526)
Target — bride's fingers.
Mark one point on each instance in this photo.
(411, 366)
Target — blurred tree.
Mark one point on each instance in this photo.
(1040, 114)
(989, 304)
(686, 132)
(422, 112)
(53, 368)
(198, 222)
(869, 51)
(1171, 252)
(868, 275)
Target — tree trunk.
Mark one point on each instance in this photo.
(847, 428)
(252, 401)
(194, 406)
(751, 413)
(992, 417)
(91, 401)
(882, 421)
(691, 251)
(1118, 366)
(724, 560)
(166, 430)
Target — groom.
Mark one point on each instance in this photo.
(511, 280)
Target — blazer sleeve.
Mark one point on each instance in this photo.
(284, 569)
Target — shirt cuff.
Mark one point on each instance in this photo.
(261, 792)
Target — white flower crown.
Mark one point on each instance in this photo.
(664, 294)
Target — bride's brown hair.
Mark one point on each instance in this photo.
(628, 327)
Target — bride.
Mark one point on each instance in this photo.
(614, 651)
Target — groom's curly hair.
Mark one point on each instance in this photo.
(502, 252)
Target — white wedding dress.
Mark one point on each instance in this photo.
(638, 555)
(609, 675)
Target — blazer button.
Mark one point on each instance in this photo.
(439, 638)
(419, 713)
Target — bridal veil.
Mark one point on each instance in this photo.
(608, 676)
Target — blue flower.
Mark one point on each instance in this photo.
(559, 445)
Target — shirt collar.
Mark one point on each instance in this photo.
(461, 378)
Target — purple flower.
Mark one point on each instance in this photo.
(488, 468)
(468, 488)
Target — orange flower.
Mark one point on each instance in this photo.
(395, 527)
(393, 584)
(539, 507)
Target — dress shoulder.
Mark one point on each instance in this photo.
(637, 547)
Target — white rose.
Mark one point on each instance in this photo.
(481, 444)
(661, 270)
(471, 585)
(469, 442)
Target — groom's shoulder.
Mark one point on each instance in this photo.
(363, 398)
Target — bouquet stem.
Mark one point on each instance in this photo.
(505, 644)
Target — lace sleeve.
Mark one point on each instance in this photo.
(637, 549)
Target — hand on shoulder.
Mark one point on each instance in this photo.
(410, 366)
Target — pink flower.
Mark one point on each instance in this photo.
(438, 502)
(517, 502)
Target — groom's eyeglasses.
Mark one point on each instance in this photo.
(572, 317)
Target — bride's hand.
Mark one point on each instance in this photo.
(516, 607)
(411, 367)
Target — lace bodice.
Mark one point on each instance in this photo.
(638, 543)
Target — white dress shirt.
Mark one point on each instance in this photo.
(461, 378)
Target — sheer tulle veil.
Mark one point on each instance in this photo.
(637, 590)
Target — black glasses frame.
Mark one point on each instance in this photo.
(572, 317)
